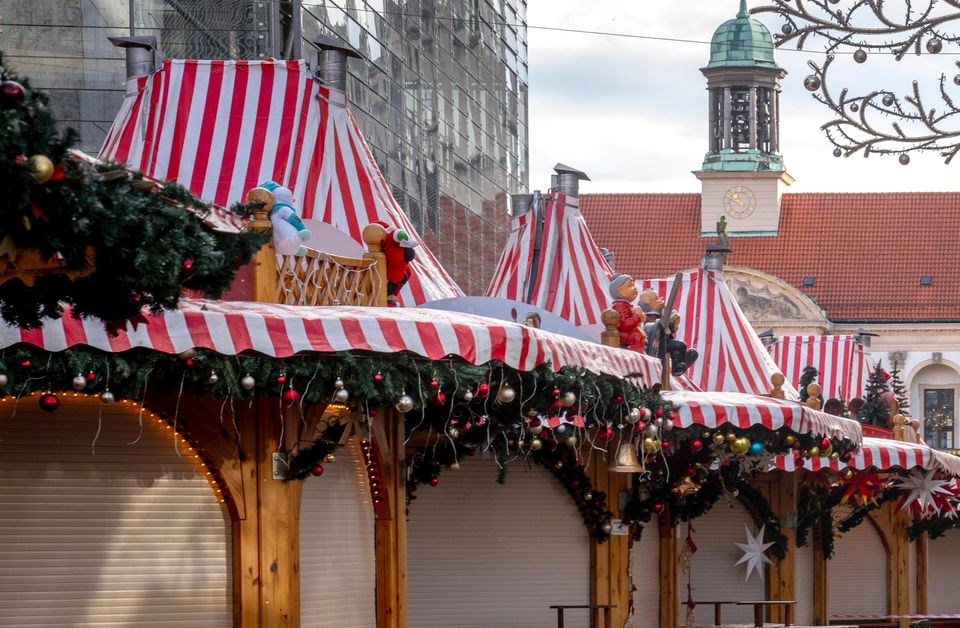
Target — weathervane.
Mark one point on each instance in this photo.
(880, 122)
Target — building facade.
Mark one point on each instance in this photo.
(439, 90)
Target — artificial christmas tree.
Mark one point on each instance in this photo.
(899, 391)
(876, 409)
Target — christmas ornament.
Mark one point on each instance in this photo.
(42, 168)
(834, 456)
(888, 100)
(561, 429)
(535, 427)
(329, 458)
(506, 394)
(618, 400)
(588, 496)
(3, 380)
(740, 446)
(731, 437)
(468, 396)
(434, 481)
(812, 82)
(813, 452)
(860, 56)
(633, 417)
(651, 445)
(404, 403)
(440, 399)
(922, 489)
(536, 444)
(934, 45)
(79, 382)
(904, 159)
(658, 508)
(25, 364)
(696, 446)
(49, 402)
(188, 265)
(281, 378)
(605, 434)
(378, 378)
(341, 395)
(854, 107)
(718, 439)
(606, 528)
(106, 398)
(91, 376)
(291, 396)
(786, 29)
(247, 382)
(756, 449)
(847, 474)
(568, 399)
(651, 430)
(571, 441)
(454, 433)
(790, 438)
(12, 94)
(338, 383)
(837, 152)
(667, 425)
(434, 384)
(956, 79)
(316, 470)
(213, 377)
(483, 390)
(825, 443)
(754, 552)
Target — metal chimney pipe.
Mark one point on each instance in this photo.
(714, 259)
(568, 180)
(554, 182)
(520, 203)
(332, 61)
(140, 53)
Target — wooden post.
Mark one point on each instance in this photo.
(669, 594)
(610, 336)
(781, 494)
(373, 237)
(610, 581)
(391, 523)
(820, 580)
(266, 286)
(923, 569)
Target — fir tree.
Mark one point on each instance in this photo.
(874, 410)
(899, 391)
(807, 377)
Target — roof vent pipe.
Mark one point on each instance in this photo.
(332, 61)
(569, 180)
(140, 53)
(554, 182)
(714, 259)
(520, 203)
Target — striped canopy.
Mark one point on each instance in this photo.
(841, 360)
(732, 357)
(220, 128)
(569, 278)
(882, 454)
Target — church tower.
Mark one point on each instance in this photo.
(743, 171)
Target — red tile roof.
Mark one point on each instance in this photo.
(866, 252)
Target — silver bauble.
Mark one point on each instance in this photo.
(454, 433)
(247, 382)
(338, 383)
(860, 56)
(888, 100)
(934, 45)
(607, 527)
(786, 29)
(468, 396)
(568, 399)
(561, 429)
(79, 382)
(571, 441)
(404, 404)
(646, 413)
(106, 398)
(812, 82)
(854, 107)
(341, 395)
(837, 152)
(650, 430)
(956, 79)
(507, 394)
(667, 425)
(904, 159)
(3, 380)
(213, 377)
(633, 417)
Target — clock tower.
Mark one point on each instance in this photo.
(743, 171)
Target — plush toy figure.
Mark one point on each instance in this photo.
(624, 291)
(398, 249)
(681, 357)
(289, 232)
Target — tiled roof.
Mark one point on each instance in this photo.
(866, 252)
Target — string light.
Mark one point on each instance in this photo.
(373, 472)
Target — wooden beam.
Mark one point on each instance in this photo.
(923, 570)
(391, 544)
(820, 580)
(610, 581)
(669, 595)
(781, 491)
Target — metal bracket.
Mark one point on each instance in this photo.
(281, 462)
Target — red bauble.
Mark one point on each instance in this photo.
(665, 444)
(316, 469)
(434, 383)
(659, 413)
(605, 435)
(281, 378)
(556, 392)
(434, 481)
(575, 484)
(188, 264)
(25, 364)
(291, 396)
(658, 508)
(188, 361)
(696, 446)
(91, 376)
(618, 400)
(639, 427)
(556, 405)
(440, 399)
(691, 471)
(58, 173)
(12, 94)
(378, 378)
(483, 390)
(49, 402)
(825, 443)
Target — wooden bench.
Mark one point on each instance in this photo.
(760, 605)
(594, 613)
(717, 606)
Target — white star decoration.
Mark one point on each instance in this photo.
(923, 490)
(754, 552)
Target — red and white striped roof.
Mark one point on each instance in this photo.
(715, 409)
(220, 128)
(732, 357)
(881, 454)
(841, 360)
(572, 277)
(281, 331)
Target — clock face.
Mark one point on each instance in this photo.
(739, 201)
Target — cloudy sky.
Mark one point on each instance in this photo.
(632, 113)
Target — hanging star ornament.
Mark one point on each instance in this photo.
(754, 552)
(924, 490)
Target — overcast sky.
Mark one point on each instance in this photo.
(633, 113)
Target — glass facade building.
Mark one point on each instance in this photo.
(440, 92)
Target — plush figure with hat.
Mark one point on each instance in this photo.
(398, 249)
(289, 232)
(623, 290)
(681, 357)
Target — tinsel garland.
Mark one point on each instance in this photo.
(146, 247)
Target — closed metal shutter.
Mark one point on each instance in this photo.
(645, 574)
(716, 576)
(489, 555)
(338, 562)
(943, 569)
(132, 535)
(804, 578)
(857, 573)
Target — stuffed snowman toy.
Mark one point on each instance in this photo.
(289, 232)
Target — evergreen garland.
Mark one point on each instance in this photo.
(874, 410)
(146, 247)
(899, 391)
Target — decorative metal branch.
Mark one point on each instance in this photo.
(865, 26)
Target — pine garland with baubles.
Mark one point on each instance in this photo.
(95, 236)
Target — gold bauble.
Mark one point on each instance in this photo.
(651, 445)
(790, 439)
(834, 456)
(536, 444)
(731, 437)
(329, 458)
(813, 452)
(42, 168)
(847, 474)
(718, 439)
(740, 446)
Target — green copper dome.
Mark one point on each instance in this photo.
(742, 42)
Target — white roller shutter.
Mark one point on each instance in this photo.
(645, 575)
(486, 555)
(716, 576)
(943, 573)
(804, 609)
(857, 573)
(130, 536)
(338, 562)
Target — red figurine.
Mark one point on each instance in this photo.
(398, 249)
(624, 293)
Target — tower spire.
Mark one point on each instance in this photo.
(743, 9)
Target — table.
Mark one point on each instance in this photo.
(717, 605)
(758, 607)
(594, 613)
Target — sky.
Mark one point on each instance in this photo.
(632, 113)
